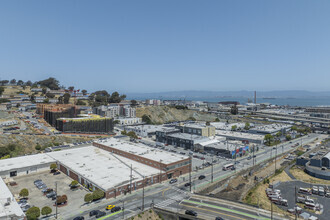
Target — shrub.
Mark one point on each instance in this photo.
(88, 197)
(46, 210)
(53, 166)
(74, 183)
(33, 213)
(24, 193)
(98, 194)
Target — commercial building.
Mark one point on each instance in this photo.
(144, 130)
(92, 125)
(270, 129)
(161, 134)
(187, 141)
(227, 149)
(197, 129)
(226, 126)
(241, 136)
(9, 208)
(115, 110)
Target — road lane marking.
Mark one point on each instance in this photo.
(227, 209)
(112, 214)
(221, 213)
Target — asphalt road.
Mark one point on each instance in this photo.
(174, 197)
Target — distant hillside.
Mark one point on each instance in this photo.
(163, 114)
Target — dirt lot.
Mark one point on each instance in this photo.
(36, 197)
(299, 174)
(150, 214)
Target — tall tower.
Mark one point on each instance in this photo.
(255, 97)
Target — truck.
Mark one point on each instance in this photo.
(321, 191)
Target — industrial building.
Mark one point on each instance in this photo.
(270, 129)
(111, 165)
(197, 129)
(240, 136)
(228, 127)
(92, 125)
(18, 166)
(187, 141)
(9, 208)
(317, 164)
(144, 130)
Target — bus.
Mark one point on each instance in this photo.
(228, 166)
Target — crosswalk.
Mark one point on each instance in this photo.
(175, 199)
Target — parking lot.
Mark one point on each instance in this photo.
(288, 193)
(38, 199)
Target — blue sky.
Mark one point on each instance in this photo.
(153, 46)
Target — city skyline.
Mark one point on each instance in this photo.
(147, 46)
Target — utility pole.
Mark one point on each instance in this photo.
(190, 172)
(235, 156)
(212, 170)
(160, 171)
(276, 154)
(130, 181)
(271, 207)
(56, 199)
(123, 209)
(253, 163)
(295, 201)
(143, 195)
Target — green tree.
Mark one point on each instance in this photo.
(80, 102)
(2, 89)
(294, 128)
(132, 135)
(33, 213)
(28, 83)
(74, 183)
(191, 118)
(146, 119)
(207, 123)
(88, 197)
(24, 193)
(13, 81)
(115, 122)
(38, 147)
(71, 88)
(50, 95)
(217, 120)
(50, 83)
(234, 110)
(46, 210)
(134, 103)
(44, 90)
(288, 137)
(46, 100)
(53, 166)
(20, 82)
(279, 134)
(269, 138)
(11, 147)
(124, 132)
(247, 126)
(98, 194)
(84, 91)
(66, 98)
(234, 127)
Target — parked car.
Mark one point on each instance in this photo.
(51, 194)
(92, 213)
(219, 218)
(37, 181)
(191, 212)
(109, 207)
(116, 209)
(25, 208)
(173, 181)
(100, 214)
(79, 218)
(201, 177)
(57, 173)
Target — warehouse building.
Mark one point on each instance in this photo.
(173, 164)
(240, 136)
(144, 130)
(187, 141)
(270, 129)
(96, 168)
(317, 164)
(18, 166)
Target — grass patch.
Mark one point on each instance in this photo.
(300, 174)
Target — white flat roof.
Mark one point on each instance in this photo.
(101, 167)
(239, 135)
(271, 127)
(24, 161)
(11, 210)
(226, 126)
(143, 150)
